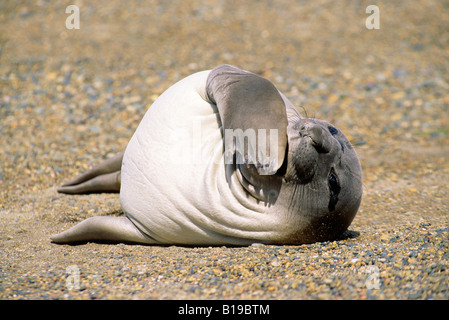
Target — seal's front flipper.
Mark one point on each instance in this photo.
(103, 229)
(252, 109)
(104, 177)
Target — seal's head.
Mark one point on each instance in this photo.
(325, 170)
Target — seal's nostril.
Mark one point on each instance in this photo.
(320, 141)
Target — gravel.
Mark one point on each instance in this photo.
(70, 98)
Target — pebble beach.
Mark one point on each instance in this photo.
(70, 98)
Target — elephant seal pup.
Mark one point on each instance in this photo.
(223, 158)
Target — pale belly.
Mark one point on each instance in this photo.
(175, 185)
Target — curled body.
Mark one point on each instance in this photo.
(186, 179)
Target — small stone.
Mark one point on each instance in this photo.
(275, 263)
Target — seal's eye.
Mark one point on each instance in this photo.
(332, 130)
(334, 185)
(334, 188)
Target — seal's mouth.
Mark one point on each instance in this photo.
(302, 162)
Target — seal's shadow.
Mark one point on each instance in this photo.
(348, 234)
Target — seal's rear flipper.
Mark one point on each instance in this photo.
(103, 229)
(109, 182)
(104, 177)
